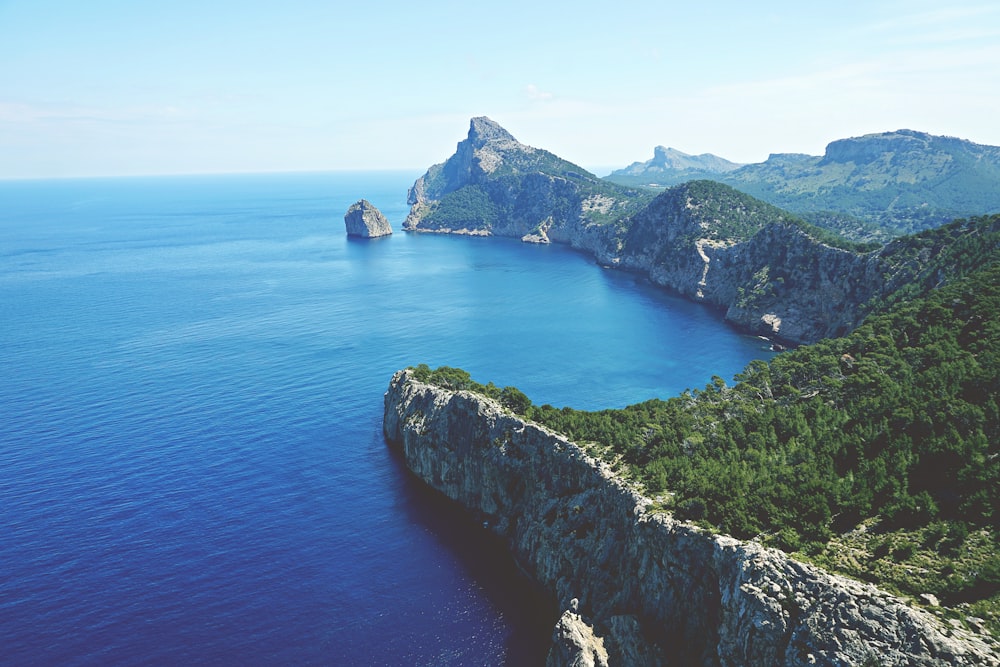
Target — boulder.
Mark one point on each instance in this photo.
(365, 221)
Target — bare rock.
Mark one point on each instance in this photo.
(652, 589)
(574, 644)
(365, 221)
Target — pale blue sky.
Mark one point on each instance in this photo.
(117, 87)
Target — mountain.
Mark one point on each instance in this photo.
(871, 451)
(775, 274)
(901, 181)
(771, 272)
(639, 583)
(495, 185)
(670, 166)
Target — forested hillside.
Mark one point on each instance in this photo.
(862, 187)
(876, 454)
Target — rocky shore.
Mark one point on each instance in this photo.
(637, 586)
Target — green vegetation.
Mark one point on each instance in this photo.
(523, 200)
(456, 379)
(835, 240)
(918, 263)
(847, 226)
(900, 182)
(876, 454)
(469, 207)
(660, 180)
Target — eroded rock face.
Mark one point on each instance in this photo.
(574, 643)
(750, 260)
(365, 221)
(653, 589)
(513, 190)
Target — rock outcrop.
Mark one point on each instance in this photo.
(636, 584)
(494, 185)
(670, 166)
(365, 221)
(574, 643)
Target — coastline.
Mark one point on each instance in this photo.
(653, 590)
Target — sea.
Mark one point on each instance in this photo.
(192, 465)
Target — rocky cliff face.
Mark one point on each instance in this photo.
(771, 274)
(365, 221)
(726, 249)
(639, 587)
(704, 240)
(495, 185)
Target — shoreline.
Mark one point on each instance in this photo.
(652, 589)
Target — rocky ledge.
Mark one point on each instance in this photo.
(365, 221)
(639, 587)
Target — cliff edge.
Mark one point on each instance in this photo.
(651, 590)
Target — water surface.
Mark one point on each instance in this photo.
(192, 469)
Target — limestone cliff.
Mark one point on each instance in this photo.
(702, 239)
(767, 270)
(638, 585)
(496, 186)
(365, 221)
(770, 272)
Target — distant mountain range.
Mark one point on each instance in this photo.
(670, 166)
(898, 182)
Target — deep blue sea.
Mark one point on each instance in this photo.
(192, 468)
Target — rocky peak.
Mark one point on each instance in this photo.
(483, 130)
(674, 159)
(871, 147)
(365, 221)
(667, 160)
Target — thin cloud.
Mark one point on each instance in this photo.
(534, 93)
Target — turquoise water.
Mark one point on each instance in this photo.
(193, 470)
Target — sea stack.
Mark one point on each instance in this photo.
(365, 221)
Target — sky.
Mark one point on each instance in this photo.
(119, 87)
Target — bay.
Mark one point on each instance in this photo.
(192, 469)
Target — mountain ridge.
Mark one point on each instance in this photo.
(902, 181)
(771, 272)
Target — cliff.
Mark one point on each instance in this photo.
(702, 239)
(365, 221)
(769, 272)
(495, 185)
(638, 586)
